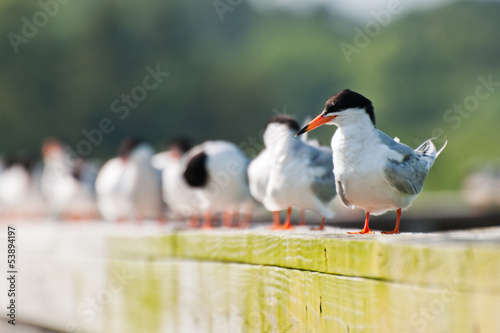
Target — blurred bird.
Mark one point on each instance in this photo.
(313, 143)
(67, 182)
(218, 172)
(482, 186)
(19, 188)
(258, 175)
(290, 172)
(177, 194)
(373, 171)
(159, 160)
(128, 187)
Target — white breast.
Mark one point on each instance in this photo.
(360, 160)
(258, 175)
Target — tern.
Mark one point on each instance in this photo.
(128, 187)
(217, 170)
(292, 173)
(373, 171)
(67, 182)
(20, 194)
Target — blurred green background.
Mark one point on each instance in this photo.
(226, 76)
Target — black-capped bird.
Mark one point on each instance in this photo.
(373, 171)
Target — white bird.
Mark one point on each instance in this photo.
(19, 191)
(482, 187)
(373, 171)
(159, 160)
(258, 175)
(258, 170)
(290, 172)
(128, 187)
(177, 194)
(67, 182)
(218, 172)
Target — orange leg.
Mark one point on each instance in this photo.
(321, 226)
(227, 219)
(276, 221)
(121, 220)
(288, 222)
(302, 217)
(139, 219)
(162, 219)
(73, 217)
(396, 230)
(245, 220)
(236, 220)
(194, 221)
(207, 220)
(366, 229)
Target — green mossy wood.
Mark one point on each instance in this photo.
(262, 281)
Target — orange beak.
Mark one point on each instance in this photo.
(316, 122)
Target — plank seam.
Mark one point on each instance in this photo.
(435, 287)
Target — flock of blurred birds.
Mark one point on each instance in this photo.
(212, 180)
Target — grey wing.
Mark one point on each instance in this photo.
(408, 175)
(322, 180)
(394, 145)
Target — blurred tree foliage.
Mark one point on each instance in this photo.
(227, 76)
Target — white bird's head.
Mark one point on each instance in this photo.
(53, 150)
(280, 128)
(135, 150)
(345, 107)
(178, 147)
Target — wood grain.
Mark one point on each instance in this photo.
(167, 280)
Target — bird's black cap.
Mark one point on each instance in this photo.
(127, 146)
(23, 159)
(291, 122)
(348, 99)
(182, 144)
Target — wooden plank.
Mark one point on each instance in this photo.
(141, 246)
(218, 297)
(473, 257)
(163, 280)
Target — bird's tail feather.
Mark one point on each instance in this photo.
(429, 152)
(442, 148)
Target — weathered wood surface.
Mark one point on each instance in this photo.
(98, 278)
(471, 258)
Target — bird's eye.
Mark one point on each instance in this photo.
(330, 108)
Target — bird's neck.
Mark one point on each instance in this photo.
(174, 165)
(140, 162)
(282, 146)
(354, 137)
(280, 141)
(357, 128)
